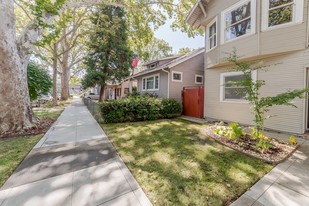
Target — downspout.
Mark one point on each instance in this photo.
(168, 82)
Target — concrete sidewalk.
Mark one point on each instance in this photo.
(285, 185)
(73, 164)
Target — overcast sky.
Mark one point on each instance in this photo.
(178, 39)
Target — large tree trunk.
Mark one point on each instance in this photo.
(65, 76)
(55, 72)
(15, 107)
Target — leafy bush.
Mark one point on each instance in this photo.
(139, 108)
(233, 131)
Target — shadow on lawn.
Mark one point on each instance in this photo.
(176, 164)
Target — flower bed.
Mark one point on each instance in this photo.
(247, 145)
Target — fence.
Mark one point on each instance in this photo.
(93, 109)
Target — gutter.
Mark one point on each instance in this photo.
(168, 82)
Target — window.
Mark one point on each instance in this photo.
(239, 20)
(281, 12)
(212, 35)
(230, 90)
(151, 83)
(199, 79)
(176, 76)
(126, 91)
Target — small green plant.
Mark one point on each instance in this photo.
(293, 140)
(233, 131)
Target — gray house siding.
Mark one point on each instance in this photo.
(189, 68)
(269, 42)
(162, 92)
(287, 71)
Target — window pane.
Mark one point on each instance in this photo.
(199, 79)
(239, 29)
(234, 93)
(150, 83)
(280, 16)
(212, 30)
(212, 42)
(157, 82)
(231, 81)
(176, 76)
(144, 84)
(238, 14)
(275, 3)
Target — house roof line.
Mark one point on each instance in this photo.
(196, 12)
(161, 59)
(171, 64)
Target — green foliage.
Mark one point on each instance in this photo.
(185, 50)
(109, 57)
(233, 131)
(138, 108)
(157, 48)
(260, 105)
(39, 82)
(170, 108)
(293, 140)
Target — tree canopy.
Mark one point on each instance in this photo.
(39, 81)
(109, 57)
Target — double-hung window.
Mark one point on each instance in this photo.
(151, 83)
(231, 88)
(212, 35)
(238, 20)
(281, 12)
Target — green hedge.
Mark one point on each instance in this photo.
(139, 108)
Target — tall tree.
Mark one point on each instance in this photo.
(109, 57)
(15, 51)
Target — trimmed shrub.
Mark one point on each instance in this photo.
(139, 108)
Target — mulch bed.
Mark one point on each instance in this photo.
(40, 127)
(279, 152)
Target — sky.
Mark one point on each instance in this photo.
(178, 39)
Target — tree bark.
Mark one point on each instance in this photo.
(65, 76)
(102, 93)
(55, 72)
(15, 107)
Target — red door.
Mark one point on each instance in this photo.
(193, 101)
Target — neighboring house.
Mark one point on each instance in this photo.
(274, 32)
(166, 77)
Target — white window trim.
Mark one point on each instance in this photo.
(253, 20)
(198, 75)
(176, 80)
(214, 21)
(298, 12)
(228, 74)
(151, 90)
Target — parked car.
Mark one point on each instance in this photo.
(92, 96)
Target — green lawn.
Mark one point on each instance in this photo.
(176, 164)
(48, 113)
(14, 150)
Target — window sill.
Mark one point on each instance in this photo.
(176, 80)
(238, 38)
(234, 101)
(151, 90)
(282, 26)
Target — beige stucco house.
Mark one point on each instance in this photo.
(166, 77)
(273, 32)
